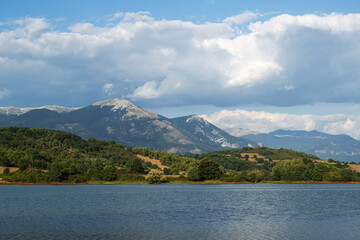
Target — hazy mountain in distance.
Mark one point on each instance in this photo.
(239, 132)
(339, 147)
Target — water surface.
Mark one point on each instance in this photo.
(246, 211)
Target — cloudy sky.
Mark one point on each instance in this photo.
(259, 65)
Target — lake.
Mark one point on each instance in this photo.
(229, 211)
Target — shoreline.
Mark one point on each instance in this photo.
(175, 182)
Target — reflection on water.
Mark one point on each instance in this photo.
(261, 211)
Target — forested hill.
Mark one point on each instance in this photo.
(269, 153)
(245, 158)
(39, 148)
(42, 155)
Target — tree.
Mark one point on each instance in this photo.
(193, 174)
(294, 170)
(58, 172)
(109, 173)
(155, 176)
(209, 169)
(167, 171)
(135, 165)
(6, 171)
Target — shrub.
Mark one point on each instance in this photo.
(193, 174)
(154, 176)
(209, 169)
(134, 165)
(6, 171)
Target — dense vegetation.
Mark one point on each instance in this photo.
(44, 155)
(54, 156)
(277, 165)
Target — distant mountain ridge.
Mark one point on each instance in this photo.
(339, 147)
(18, 111)
(239, 132)
(128, 124)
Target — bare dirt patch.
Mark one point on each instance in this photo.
(252, 156)
(354, 167)
(160, 165)
(12, 169)
(153, 161)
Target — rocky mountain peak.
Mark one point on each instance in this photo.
(131, 109)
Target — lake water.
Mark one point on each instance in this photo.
(259, 211)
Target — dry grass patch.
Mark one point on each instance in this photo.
(153, 161)
(354, 167)
(12, 169)
(251, 155)
(253, 159)
(160, 165)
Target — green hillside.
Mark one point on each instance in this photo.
(43, 155)
(54, 156)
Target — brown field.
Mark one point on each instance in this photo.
(12, 169)
(252, 159)
(160, 165)
(354, 167)
(251, 155)
(153, 161)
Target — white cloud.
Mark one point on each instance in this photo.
(31, 26)
(117, 15)
(241, 18)
(267, 122)
(4, 93)
(147, 91)
(286, 60)
(109, 89)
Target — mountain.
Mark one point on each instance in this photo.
(19, 111)
(10, 113)
(239, 132)
(209, 133)
(130, 125)
(122, 121)
(323, 145)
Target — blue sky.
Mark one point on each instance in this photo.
(201, 10)
(276, 61)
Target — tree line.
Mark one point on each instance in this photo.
(44, 155)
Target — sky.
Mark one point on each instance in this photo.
(260, 65)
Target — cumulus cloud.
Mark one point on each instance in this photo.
(283, 61)
(241, 18)
(4, 93)
(109, 89)
(267, 122)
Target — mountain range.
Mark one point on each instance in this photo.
(339, 147)
(130, 125)
(127, 124)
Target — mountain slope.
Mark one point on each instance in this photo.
(239, 132)
(122, 121)
(209, 133)
(128, 124)
(338, 147)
